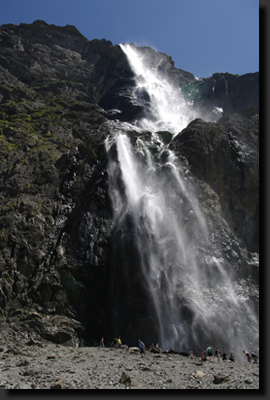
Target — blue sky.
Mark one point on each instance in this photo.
(201, 36)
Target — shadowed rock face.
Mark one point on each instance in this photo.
(60, 261)
(233, 93)
(226, 156)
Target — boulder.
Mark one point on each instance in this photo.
(220, 379)
(199, 374)
(134, 349)
(57, 384)
(125, 379)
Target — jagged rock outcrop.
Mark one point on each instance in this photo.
(233, 93)
(57, 93)
(226, 156)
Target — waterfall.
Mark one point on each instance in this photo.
(161, 235)
(172, 115)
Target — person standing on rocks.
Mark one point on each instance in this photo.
(119, 343)
(209, 350)
(217, 353)
(254, 356)
(248, 355)
(101, 344)
(159, 348)
(142, 348)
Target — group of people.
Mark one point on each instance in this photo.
(207, 354)
(210, 356)
(117, 344)
(249, 356)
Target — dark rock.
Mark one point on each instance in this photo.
(125, 379)
(184, 353)
(61, 261)
(217, 154)
(51, 356)
(31, 342)
(220, 379)
(165, 136)
(57, 384)
(58, 338)
(232, 93)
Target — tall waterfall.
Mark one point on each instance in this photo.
(160, 232)
(167, 107)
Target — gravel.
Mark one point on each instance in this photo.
(43, 365)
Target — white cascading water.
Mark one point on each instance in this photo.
(173, 115)
(191, 285)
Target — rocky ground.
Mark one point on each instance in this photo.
(32, 364)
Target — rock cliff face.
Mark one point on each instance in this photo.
(57, 93)
(225, 155)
